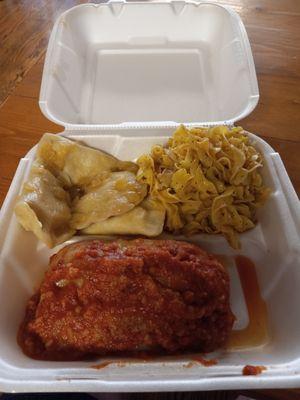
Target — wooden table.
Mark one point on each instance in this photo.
(274, 33)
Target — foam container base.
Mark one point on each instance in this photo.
(273, 246)
(120, 77)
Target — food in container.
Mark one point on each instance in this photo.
(120, 83)
(72, 187)
(203, 180)
(128, 296)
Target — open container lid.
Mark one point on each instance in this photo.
(149, 64)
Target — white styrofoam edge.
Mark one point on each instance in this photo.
(49, 56)
(288, 190)
(6, 210)
(58, 384)
(249, 57)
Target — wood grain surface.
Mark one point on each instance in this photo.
(25, 26)
(273, 27)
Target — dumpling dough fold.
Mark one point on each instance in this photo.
(117, 194)
(74, 187)
(76, 164)
(44, 207)
(144, 219)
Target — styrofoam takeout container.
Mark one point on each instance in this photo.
(120, 77)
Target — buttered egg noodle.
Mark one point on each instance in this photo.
(207, 180)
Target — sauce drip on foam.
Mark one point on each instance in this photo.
(256, 333)
(253, 370)
(102, 365)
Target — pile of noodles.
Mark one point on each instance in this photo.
(207, 180)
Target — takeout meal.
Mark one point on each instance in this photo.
(203, 180)
(126, 296)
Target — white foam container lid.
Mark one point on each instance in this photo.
(120, 77)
